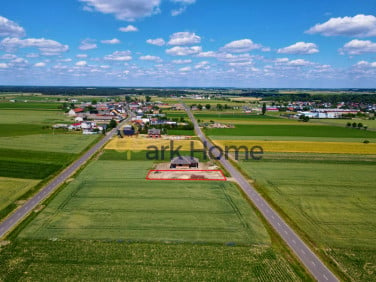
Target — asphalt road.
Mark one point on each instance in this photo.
(15, 218)
(314, 265)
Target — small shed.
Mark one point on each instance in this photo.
(154, 133)
(184, 161)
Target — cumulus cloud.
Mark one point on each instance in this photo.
(150, 58)
(180, 62)
(157, 41)
(183, 6)
(357, 26)
(87, 44)
(296, 63)
(183, 51)
(202, 65)
(240, 46)
(47, 47)
(10, 28)
(119, 56)
(128, 28)
(185, 69)
(357, 47)
(81, 56)
(128, 10)
(365, 64)
(230, 58)
(3, 66)
(40, 65)
(111, 41)
(184, 38)
(299, 48)
(208, 54)
(81, 63)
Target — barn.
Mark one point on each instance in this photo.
(184, 162)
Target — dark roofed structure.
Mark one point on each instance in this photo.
(184, 161)
(154, 133)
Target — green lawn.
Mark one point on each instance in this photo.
(331, 202)
(95, 205)
(33, 116)
(42, 260)
(22, 129)
(30, 105)
(291, 130)
(181, 132)
(217, 116)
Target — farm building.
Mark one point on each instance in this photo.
(154, 133)
(184, 161)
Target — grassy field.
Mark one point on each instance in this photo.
(60, 143)
(291, 130)
(219, 115)
(95, 204)
(343, 122)
(32, 117)
(331, 200)
(40, 260)
(30, 105)
(303, 146)
(181, 132)
(13, 188)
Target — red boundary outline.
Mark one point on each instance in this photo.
(152, 170)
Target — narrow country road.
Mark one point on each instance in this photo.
(310, 260)
(10, 222)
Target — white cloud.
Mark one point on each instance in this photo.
(356, 47)
(357, 26)
(240, 46)
(87, 44)
(299, 63)
(230, 58)
(299, 48)
(178, 12)
(187, 2)
(46, 46)
(40, 65)
(157, 41)
(208, 54)
(180, 62)
(365, 64)
(184, 38)
(119, 56)
(184, 4)
(81, 56)
(81, 63)
(184, 51)
(111, 41)
(151, 58)
(240, 64)
(129, 28)
(3, 66)
(8, 57)
(128, 10)
(185, 69)
(10, 28)
(66, 60)
(202, 65)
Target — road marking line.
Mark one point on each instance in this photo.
(326, 278)
(293, 241)
(303, 251)
(313, 262)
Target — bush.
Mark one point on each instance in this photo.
(366, 141)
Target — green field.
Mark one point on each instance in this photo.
(330, 199)
(95, 204)
(30, 105)
(291, 130)
(42, 260)
(219, 116)
(343, 122)
(13, 188)
(32, 117)
(181, 132)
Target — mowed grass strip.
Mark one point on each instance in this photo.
(142, 144)
(301, 146)
(24, 129)
(73, 260)
(13, 188)
(291, 130)
(332, 203)
(113, 200)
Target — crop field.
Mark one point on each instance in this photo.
(95, 205)
(60, 143)
(30, 105)
(73, 260)
(303, 146)
(207, 116)
(12, 188)
(331, 199)
(181, 132)
(32, 117)
(141, 144)
(291, 130)
(343, 122)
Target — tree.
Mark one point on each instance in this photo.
(219, 107)
(199, 106)
(148, 99)
(348, 124)
(360, 125)
(354, 125)
(112, 124)
(94, 102)
(263, 108)
(207, 106)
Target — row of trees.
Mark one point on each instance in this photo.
(357, 125)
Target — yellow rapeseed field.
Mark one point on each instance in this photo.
(141, 144)
(303, 146)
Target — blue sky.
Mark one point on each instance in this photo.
(198, 43)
